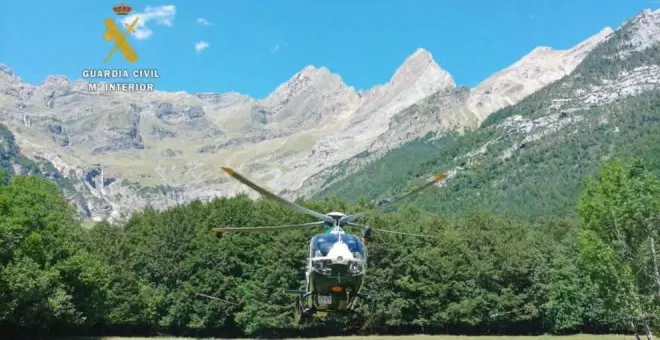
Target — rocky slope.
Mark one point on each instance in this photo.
(170, 145)
(454, 109)
(537, 69)
(122, 151)
(529, 159)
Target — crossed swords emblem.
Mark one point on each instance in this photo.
(112, 32)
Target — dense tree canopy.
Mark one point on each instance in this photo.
(476, 274)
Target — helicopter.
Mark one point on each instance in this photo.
(337, 260)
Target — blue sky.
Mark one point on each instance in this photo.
(256, 45)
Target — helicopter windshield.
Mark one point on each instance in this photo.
(322, 243)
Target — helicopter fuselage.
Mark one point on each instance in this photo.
(337, 261)
(335, 271)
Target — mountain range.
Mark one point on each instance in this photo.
(530, 159)
(314, 135)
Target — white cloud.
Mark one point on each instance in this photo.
(204, 22)
(159, 15)
(275, 48)
(201, 46)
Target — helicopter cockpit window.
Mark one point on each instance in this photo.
(321, 244)
(354, 245)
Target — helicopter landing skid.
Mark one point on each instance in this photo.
(371, 311)
(302, 314)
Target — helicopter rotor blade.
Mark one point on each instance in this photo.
(403, 233)
(355, 225)
(364, 227)
(278, 199)
(266, 229)
(351, 218)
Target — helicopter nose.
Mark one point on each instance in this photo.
(340, 254)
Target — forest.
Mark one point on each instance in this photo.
(480, 273)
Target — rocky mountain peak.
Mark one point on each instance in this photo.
(644, 31)
(309, 97)
(56, 81)
(309, 78)
(310, 74)
(598, 37)
(538, 51)
(313, 71)
(5, 71)
(421, 55)
(538, 68)
(646, 16)
(418, 77)
(420, 67)
(579, 51)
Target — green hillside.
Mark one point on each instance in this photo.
(541, 178)
(548, 150)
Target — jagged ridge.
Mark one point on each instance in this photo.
(540, 147)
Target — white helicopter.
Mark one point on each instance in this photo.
(337, 261)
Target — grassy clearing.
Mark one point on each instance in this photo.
(457, 337)
(431, 337)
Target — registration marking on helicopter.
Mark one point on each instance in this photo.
(325, 299)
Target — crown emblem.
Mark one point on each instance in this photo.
(122, 9)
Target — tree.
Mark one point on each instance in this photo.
(620, 209)
(47, 279)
